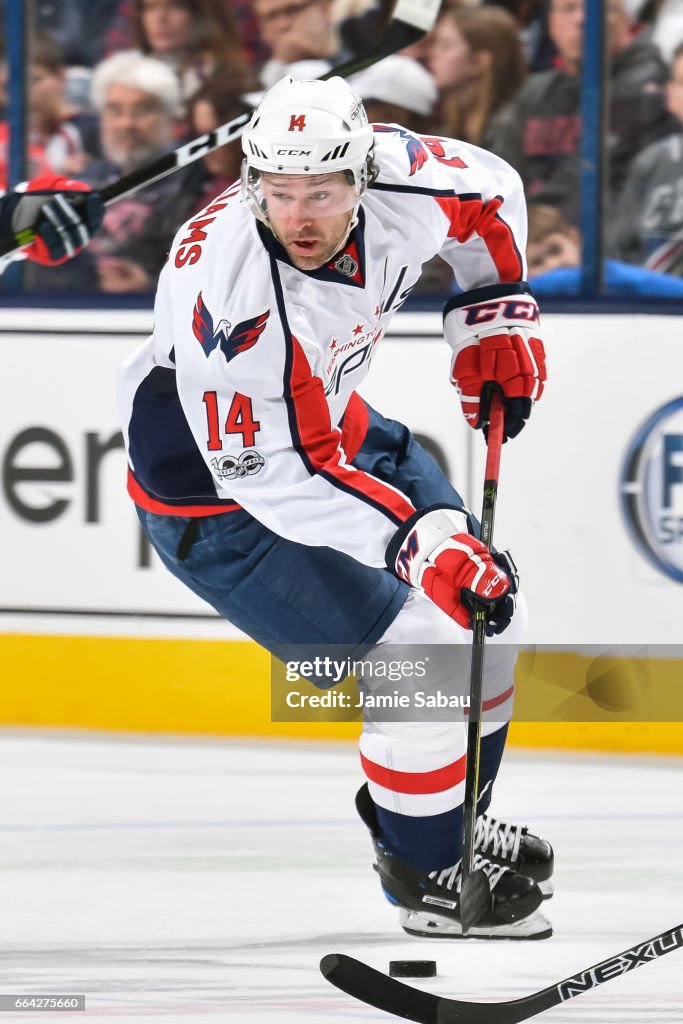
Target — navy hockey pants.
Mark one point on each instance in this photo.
(280, 592)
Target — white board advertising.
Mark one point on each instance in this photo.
(590, 500)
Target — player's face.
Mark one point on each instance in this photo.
(310, 215)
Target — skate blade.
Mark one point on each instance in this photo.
(427, 926)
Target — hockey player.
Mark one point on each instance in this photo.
(56, 209)
(270, 488)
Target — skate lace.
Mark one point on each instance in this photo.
(495, 837)
(450, 877)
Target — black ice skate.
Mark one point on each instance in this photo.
(513, 846)
(429, 900)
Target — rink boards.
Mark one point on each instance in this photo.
(96, 633)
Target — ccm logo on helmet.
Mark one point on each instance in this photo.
(297, 122)
(514, 310)
(293, 152)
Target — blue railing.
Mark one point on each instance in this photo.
(16, 36)
(593, 119)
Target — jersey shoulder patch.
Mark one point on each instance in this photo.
(231, 340)
(415, 152)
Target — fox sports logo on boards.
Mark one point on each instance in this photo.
(652, 489)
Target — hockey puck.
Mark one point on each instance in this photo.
(412, 968)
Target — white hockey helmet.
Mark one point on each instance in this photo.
(307, 127)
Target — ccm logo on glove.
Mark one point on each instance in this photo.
(496, 347)
(485, 313)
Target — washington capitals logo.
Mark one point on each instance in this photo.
(417, 153)
(231, 342)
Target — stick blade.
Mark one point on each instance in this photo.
(376, 989)
(475, 899)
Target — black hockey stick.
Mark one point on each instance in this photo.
(410, 20)
(475, 893)
(376, 989)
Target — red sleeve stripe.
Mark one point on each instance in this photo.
(386, 499)
(418, 783)
(162, 508)
(470, 215)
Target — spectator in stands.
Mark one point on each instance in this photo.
(477, 62)
(552, 243)
(121, 34)
(398, 90)
(68, 136)
(296, 30)
(137, 98)
(554, 262)
(649, 225)
(532, 24)
(539, 133)
(194, 37)
(58, 136)
(216, 102)
(77, 28)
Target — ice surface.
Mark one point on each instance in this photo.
(202, 881)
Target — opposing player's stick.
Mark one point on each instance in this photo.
(410, 20)
(376, 989)
(475, 892)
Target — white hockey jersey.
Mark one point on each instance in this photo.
(244, 395)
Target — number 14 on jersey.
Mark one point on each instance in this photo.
(239, 420)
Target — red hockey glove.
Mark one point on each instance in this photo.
(493, 332)
(46, 207)
(436, 554)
